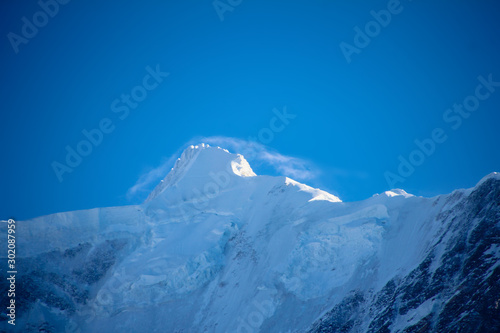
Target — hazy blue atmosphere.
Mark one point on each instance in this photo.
(331, 93)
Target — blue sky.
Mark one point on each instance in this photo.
(225, 77)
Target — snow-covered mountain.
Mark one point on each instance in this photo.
(216, 248)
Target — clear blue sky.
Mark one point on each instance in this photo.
(352, 121)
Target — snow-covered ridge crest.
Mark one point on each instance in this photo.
(212, 160)
(317, 194)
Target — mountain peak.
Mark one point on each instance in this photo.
(199, 164)
(493, 175)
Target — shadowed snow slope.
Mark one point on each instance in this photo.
(216, 248)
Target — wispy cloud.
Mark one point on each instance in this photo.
(257, 154)
(289, 166)
(151, 177)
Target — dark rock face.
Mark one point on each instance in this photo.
(62, 280)
(456, 288)
(344, 316)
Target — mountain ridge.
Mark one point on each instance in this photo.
(218, 248)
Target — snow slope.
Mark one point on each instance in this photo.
(216, 248)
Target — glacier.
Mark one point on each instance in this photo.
(217, 248)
